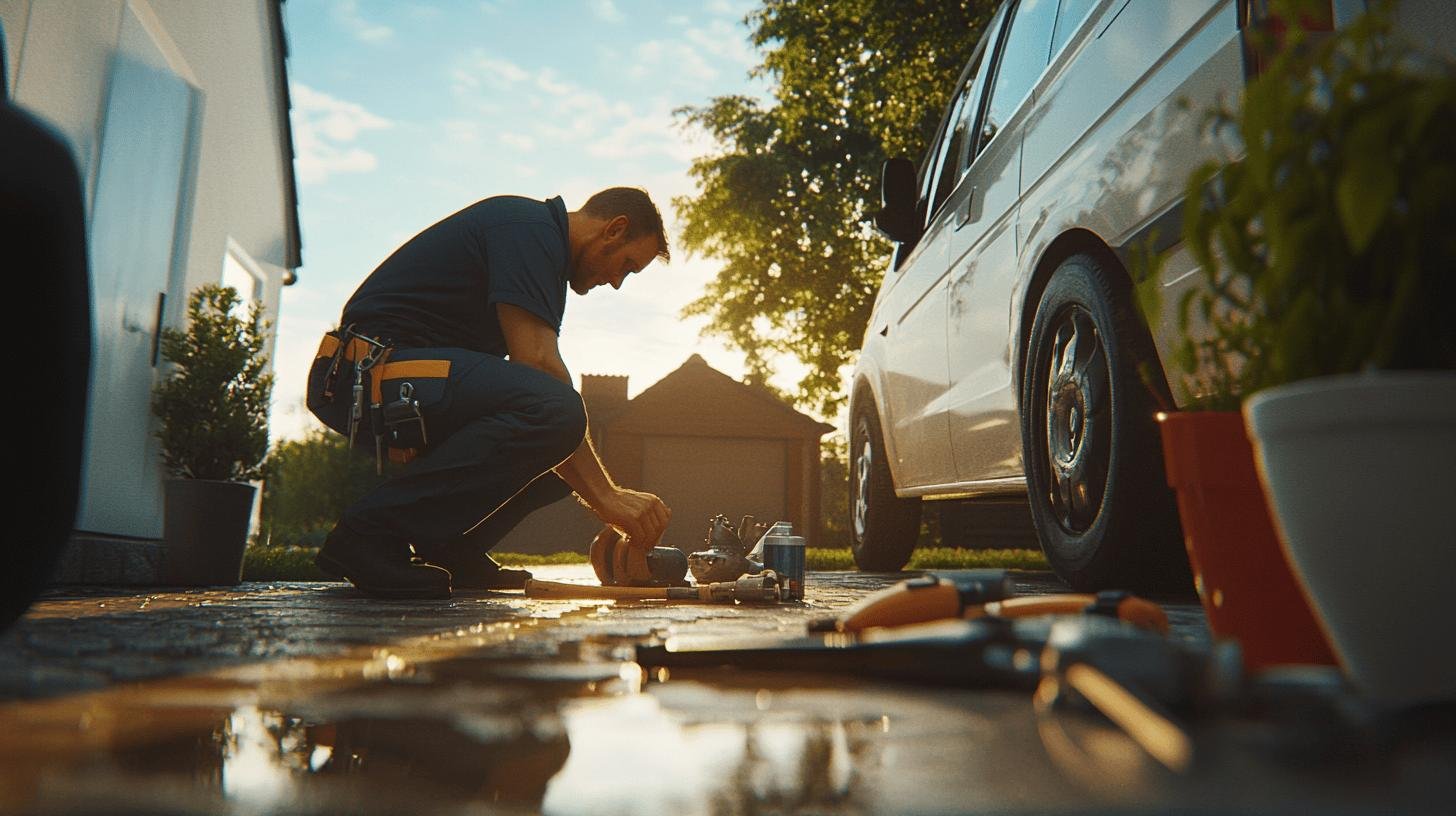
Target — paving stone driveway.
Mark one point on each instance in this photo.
(308, 698)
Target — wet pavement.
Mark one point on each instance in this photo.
(309, 698)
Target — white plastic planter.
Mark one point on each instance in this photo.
(1360, 471)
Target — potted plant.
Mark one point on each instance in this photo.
(1242, 575)
(1328, 254)
(213, 412)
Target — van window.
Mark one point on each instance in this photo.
(952, 148)
(1023, 58)
(1069, 16)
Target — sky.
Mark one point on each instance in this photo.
(405, 112)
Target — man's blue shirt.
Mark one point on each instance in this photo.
(441, 288)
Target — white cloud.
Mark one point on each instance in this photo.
(724, 40)
(674, 60)
(606, 10)
(323, 126)
(519, 142)
(547, 81)
(462, 131)
(481, 69)
(347, 13)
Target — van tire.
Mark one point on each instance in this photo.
(882, 526)
(1103, 511)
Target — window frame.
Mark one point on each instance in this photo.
(988, 94)
(988, 48)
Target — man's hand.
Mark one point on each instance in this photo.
(642, 516)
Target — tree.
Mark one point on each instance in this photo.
(785, 200)
(308, 483)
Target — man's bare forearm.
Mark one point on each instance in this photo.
(583, 470)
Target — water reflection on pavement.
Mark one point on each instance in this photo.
(515, 706)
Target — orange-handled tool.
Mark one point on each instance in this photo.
(1128, 608)
(926, 598)
(982, 593)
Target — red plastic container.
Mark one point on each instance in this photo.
(1243, 577)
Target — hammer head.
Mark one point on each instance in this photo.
(617, 563)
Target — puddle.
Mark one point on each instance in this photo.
(556, 736)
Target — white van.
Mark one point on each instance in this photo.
(1004, 356)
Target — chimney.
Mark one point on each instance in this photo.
(604, 394)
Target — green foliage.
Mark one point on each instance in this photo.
(268, 563)
(785, 200)
(1327, 246)
(936, 558)
(508, 559)
(214, 405)
(307, 484)
(834, 492)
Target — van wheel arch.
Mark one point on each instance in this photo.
(1074, 242)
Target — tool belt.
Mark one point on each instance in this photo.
(386, 399)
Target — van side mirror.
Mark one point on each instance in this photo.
(897, 218)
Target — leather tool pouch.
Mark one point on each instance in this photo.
(399, 395)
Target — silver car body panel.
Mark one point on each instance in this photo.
(1101, 144)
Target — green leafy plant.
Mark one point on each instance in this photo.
(1326, 239)
(307, 484)
(213, 406)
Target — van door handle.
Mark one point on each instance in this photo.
(963, 213)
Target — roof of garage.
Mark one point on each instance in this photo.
(698, 400)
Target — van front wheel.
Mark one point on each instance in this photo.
(1103, 511)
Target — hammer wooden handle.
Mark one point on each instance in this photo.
(556, 589)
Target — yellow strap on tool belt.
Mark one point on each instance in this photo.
(330, 345)
(402, 369)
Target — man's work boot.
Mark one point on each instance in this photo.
(380, 566)
(475, 571)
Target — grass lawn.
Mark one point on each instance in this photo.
(296, 563)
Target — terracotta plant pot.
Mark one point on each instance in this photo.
(1242, 575)
(1359, 472)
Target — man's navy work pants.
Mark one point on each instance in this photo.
(495, 428)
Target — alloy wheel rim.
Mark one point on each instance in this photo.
(1078, 430)
(862, 483)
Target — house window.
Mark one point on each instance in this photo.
(239, 272)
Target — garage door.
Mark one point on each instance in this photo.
(702, 477)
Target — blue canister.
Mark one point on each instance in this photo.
(784, 554)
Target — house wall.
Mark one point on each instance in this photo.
(60, 57)
(60, 54)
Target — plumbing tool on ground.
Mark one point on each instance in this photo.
(989, 653)
(762, 587)
(1136, 679)
(729, 552)
(983, 593)
(927, 598)
(619, 564)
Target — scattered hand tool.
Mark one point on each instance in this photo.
(975, 654)
(762, 587)
(983, 593)
(1111, 604)
(618, 563)
(921, 599)
(727, 555)
(1135, 679)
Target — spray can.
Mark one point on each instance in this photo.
(783, 552)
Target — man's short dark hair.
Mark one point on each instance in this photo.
(642, 215)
